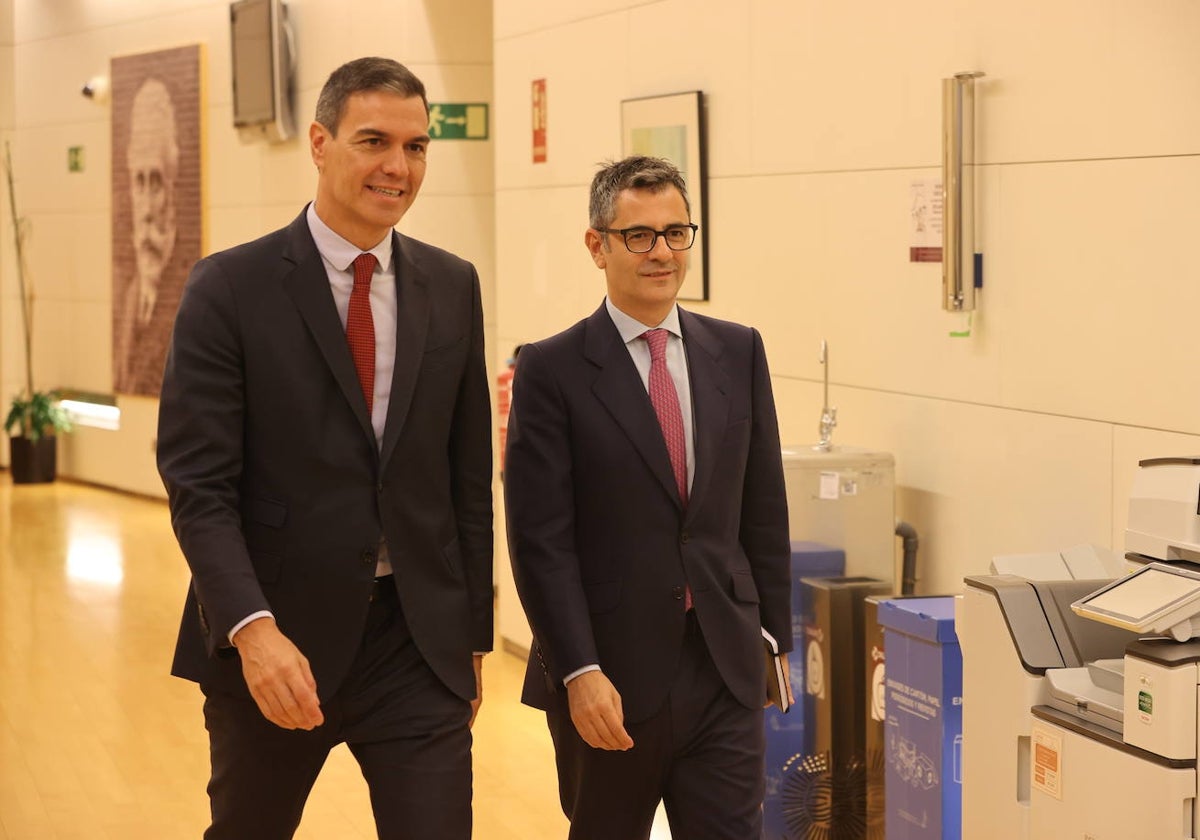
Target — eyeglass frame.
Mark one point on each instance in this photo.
(657, 233)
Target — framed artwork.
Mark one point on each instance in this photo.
(672, 127)
(156, 210)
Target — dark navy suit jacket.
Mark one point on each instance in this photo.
(279, 494)
(602, 547)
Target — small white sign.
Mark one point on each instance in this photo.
(830, 484)
(1047, 761)
(925, 222)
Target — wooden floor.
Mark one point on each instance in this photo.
(97, 741)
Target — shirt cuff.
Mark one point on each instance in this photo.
(567, 679)
(252, 617)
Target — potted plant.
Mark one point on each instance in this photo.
(34, 417)
(32, 423)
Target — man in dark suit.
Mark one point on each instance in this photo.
(333, 498)
(648, 532)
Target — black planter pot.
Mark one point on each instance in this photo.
(33, 461)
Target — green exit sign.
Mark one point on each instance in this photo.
(458, 121)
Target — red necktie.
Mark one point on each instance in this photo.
(665, 400)
(360, 327)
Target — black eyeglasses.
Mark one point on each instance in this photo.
(641, 240)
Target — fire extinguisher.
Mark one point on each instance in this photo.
(504, 401)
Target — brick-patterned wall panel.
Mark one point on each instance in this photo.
(157, 224)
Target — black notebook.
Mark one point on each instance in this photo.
(777, 677)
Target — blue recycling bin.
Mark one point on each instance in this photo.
(923, 727)
(785, 733)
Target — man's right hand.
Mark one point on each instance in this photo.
(596, 711)
(278, 676)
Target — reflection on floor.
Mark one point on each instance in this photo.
(97, 741)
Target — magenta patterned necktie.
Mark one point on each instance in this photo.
(360, 327)
(665, 400)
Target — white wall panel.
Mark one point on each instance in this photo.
(233, 169)
(49, 73)
(1102, 283)
(42, 181)
(978, 481)
(227, 226)
(35, 20)
(325, 38)
(123, 459)
(836, 88)
(825, 256)
(585, 67)
(517, 17)
(90, 359)
(7, 118)
(679, 45)
(549, 279)
(840, 88)
(1087, 78)
(90, 258)
(12, 370)
(444, 33)
(51, 269)
(975, 481)
(6, 23)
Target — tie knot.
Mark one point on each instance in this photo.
(657, 339)
(364, 267)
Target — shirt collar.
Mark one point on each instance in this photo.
(631, 328)
(340, 253)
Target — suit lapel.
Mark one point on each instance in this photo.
(710, 400)
(308, 287)
(412, 324)
(619, 389)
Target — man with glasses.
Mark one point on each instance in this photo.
(648, 534)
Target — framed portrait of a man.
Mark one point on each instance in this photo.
(156, 210)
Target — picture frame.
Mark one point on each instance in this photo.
(157, 210)
(671, 126)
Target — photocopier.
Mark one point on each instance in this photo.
(1081, 696)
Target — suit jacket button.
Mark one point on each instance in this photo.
(677, 593)
(368, 556)
(683, 538)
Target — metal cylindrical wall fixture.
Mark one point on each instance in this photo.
(958, 189)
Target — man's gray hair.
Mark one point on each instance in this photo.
(362, 75)
(638, 172)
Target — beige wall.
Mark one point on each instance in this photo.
(9, 363)
(249, 188)
(1023, 437)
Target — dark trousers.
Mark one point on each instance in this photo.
(407, 731)
(701, 755)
